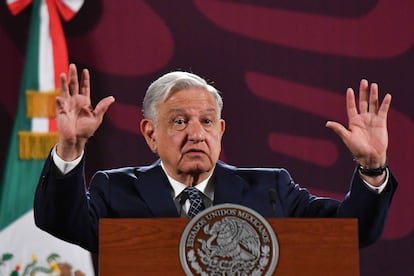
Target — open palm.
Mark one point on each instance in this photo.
(77, 120)
(367, 134)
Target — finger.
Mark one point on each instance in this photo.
(351, 108)
(73, 80)
(103, 106)
(363, 96)
(385, 106)
(64, 89)
(373, 99)
(85, 83)
(60, 103)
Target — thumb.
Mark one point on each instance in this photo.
(103, 105)
(339, 129)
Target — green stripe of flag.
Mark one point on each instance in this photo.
(20, 177)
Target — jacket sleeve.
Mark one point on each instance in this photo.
(61, 206)
(369, 207)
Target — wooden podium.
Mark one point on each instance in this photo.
(151, 246)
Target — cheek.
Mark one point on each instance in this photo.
(215, 143)
(174, 140)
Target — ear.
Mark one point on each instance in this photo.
(148, 131)
(222, 127)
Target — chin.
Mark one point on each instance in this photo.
(196, 168)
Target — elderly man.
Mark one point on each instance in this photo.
(182, 125)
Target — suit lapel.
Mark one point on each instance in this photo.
(155, 190)
(228, 186)
(153, 185)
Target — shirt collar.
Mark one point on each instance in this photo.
(206, 187)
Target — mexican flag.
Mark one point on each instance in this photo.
(25, 249)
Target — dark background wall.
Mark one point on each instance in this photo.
(283, 68)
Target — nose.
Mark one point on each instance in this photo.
(196, 131)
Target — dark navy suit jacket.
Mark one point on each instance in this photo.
(65, 208)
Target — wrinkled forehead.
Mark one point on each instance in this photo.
(191, 96)
(190, 100)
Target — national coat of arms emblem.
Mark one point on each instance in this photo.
(228, 239)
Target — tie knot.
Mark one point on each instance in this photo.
(192, 192)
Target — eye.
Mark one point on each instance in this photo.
(208, 121)
(179, 123)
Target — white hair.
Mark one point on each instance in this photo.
(171, 82)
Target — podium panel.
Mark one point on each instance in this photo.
(151, 246)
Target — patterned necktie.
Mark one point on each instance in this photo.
(196, 204)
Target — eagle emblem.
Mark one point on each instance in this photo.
(228, 239)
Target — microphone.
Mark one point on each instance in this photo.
(273, 199)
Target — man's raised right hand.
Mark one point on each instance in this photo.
(76, 119)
